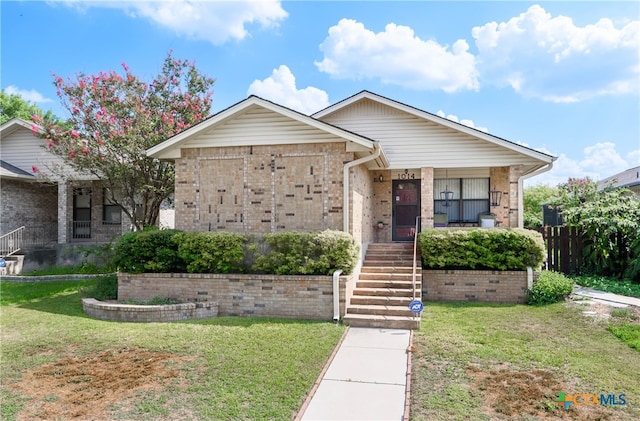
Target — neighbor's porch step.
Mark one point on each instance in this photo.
(385, 322)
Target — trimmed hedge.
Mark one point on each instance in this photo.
(497, 249)
(148, 251)
(286, 253)
(211, 252)
(298, 253)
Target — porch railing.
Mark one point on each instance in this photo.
(415, 255)
(93, 232)
(11, 242)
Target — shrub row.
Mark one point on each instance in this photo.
(497, 249)
(287, 253)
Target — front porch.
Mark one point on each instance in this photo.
(441, 197)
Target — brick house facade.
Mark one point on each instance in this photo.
(53, 210)
(367, 165)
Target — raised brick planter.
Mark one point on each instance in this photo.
(299, 297)
(148, 313)
(485, 286)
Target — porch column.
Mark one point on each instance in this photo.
(499, 179)
(426, 197)
(63, 211)
(515, 193)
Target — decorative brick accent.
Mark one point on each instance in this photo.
(299, 297)
(261, 189)
(475, 285)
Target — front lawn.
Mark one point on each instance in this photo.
(493, 362)
(57, 363)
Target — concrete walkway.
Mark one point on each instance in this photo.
(365, 380)
(608, 298)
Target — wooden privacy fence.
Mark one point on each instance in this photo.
(564, 249)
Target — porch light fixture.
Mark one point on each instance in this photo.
(496, 197)
(447, 194)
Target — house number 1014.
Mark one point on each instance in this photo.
(406, 175)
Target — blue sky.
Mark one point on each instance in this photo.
(559, 77)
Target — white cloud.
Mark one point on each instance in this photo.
(28, 95)
(397, 56)
(553, 59)
(599, 161)
(280, 88)
(213, 21)
(466, 122)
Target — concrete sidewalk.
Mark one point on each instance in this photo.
(365, 380)
(608, 298)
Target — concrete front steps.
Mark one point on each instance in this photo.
(384, 289)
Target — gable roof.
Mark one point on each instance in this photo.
(326, 113)
(10, 171)
(629, 178)
(15, 124)
(255, 107)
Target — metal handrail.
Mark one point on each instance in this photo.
(11, 242)
(415, 249)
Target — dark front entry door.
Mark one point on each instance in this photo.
(406, 207)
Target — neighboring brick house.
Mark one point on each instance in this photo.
(53, 210)
(367, 165)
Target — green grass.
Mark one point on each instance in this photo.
(558, 339)
(628, 333)
(615, 286)
(241, 368)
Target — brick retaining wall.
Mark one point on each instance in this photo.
(300, 297)
(475, 285)
(148, 313)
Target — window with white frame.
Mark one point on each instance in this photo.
(461, 199)
(111, 212)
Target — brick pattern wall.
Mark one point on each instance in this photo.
(33, 205)
(261, 189)
(29, 204)
(300, 297)
(475, 285)
(146, 314)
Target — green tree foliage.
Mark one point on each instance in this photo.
(115, 118)
(533, 199)
(12, 106)
(610, 221)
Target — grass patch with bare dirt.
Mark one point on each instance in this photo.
(57, 363)
(510, 362)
